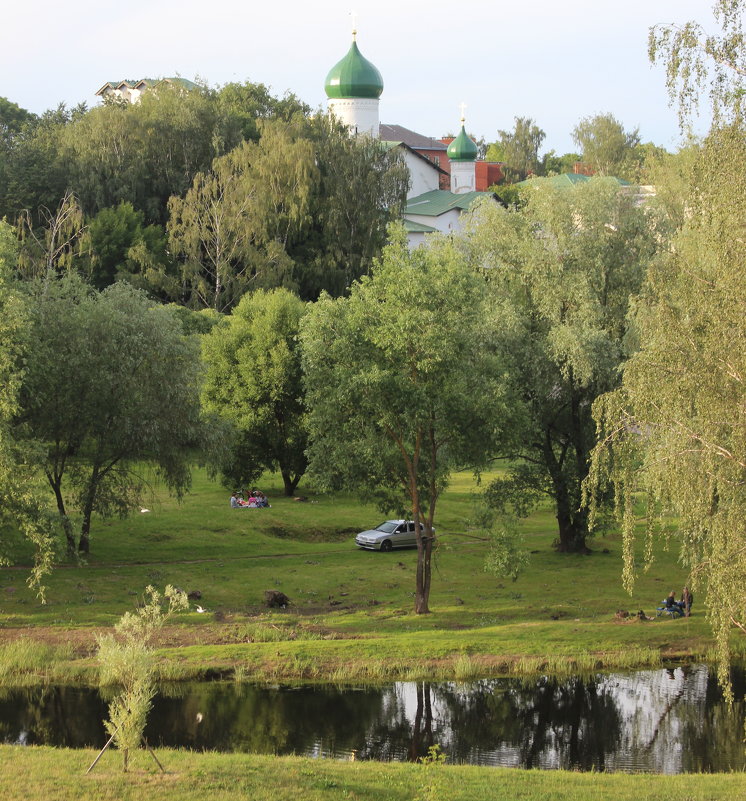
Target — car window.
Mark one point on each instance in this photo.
(401, 528)
(411, 527)
(387, 527)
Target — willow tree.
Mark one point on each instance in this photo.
(401, 386)
(674, 434)
(20, 507)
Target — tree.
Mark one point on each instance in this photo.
(361, 187)
(552, 164)
(606, 146)
(561, 269)
(696, 62)
(20, 508)
(36, 172)
(519, 149)
(127, 663)
(676, 428)
(253, 379)
(111, 385)
(400, 385)
(305, 207)
(54, 246)
(122, 248)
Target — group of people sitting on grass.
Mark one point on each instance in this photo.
(256, 500)
(683, 606)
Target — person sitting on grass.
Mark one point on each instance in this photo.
(237, 503)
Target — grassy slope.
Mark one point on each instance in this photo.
(351, 611)
(43, 773)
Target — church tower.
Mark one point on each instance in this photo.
(353, 87)
(462, 153)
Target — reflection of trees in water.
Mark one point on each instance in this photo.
(61, 716)
(664, 721)
(543, 724)
(265, 720)
(713, 733)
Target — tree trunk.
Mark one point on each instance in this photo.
(290, 482)
(84, 546)
(571, 520)
(424, 572)
(67, 526)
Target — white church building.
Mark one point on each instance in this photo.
(354, 87)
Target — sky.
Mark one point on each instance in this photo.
(555, 62)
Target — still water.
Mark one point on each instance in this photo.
(663, 721)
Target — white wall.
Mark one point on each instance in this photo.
(360, 115)
(423, 175)
(463, 176)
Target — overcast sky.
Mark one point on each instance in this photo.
(553, 61)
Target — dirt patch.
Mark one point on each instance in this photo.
(311, 534)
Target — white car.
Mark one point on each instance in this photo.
(389, 535)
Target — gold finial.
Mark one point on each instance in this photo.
(354, 25)
(463, 113)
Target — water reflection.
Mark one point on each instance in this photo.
(665, 721)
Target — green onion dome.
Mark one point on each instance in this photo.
(462, 148)
(354, 77)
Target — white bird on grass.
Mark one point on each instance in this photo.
(199, 610)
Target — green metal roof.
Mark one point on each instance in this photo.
(568, 179)
(439, 201)
(354, 76)
(462, 148)
(412, 227)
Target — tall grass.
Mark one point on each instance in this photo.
(28, 661)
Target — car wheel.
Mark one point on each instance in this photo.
(386, 545)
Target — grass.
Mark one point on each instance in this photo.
(37, 774)
(351, 615)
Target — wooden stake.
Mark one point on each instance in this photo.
(100, 754)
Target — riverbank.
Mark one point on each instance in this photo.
(40, 774)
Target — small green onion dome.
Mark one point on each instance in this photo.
(354, 76)
(462, 148)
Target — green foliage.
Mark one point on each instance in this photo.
(35, 171)
(20, 509)
(361, 188)
(552, 164)
(506, 557)
(561, 269)
(247, 103)
(53, 246)
(144, 152)
(519, 149)
(698, 62)
(127, 662)
(112, 384)
(401, 384)
(676, 428)
(606, 146)
(253, 380)
(122, 248)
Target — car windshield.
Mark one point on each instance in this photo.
(389, 527)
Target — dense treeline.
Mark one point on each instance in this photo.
(197, 196)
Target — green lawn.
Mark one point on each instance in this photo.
(351, 613)
(40, 774)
